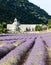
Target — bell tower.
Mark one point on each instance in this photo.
(15, 20)
(16, 23)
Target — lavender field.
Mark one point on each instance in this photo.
(25, 49)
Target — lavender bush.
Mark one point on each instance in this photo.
(15, 56)
(38, 54)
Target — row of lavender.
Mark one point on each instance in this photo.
(38, 54)
(10, 42)
(17, 53)
(41, 51)
(47, 41)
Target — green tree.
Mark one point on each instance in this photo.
(49, 23)
(4, 27)
(38, 28)
(1, 28)
(4, 24)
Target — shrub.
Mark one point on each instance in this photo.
(49, 23)
(38, 28)
(3, 28)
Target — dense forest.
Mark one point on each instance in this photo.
(25, 11)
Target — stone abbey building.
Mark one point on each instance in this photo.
(16, 26)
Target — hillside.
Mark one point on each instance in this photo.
(23, 10)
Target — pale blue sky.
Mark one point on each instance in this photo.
(44, 4)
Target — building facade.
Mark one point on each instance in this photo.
(22, 27)
(13, 27)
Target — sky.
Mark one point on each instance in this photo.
(44, 4)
